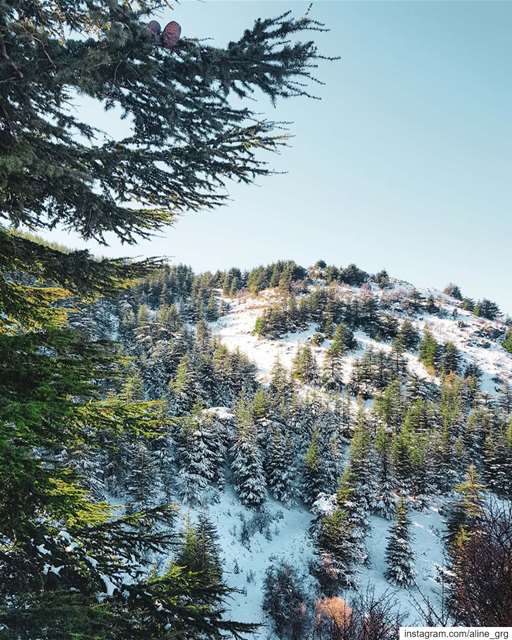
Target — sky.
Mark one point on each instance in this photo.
(404, 164)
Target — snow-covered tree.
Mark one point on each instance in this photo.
(363, 463)
(332, 369)
(304, 367)
(199, 550)
(399, 553)
(200, 456)
(279, 466)
(498, 462)
(337, 552)
(464, 511)
(184, 391)
(313, 473)
(350, 498)
(429, 351)
(246, 461)
(142, 476)
(384, 499)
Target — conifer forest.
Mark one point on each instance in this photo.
(283, 452)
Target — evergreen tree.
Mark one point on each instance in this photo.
(332, 370)
(451, 359)
(401, 448)
(350, 498)
(384, 502)
(185, 139)
(133, 387)
(281, 388)
(337, 553)
(362, 461)
(304, 367)
(246, 465)
(141, 487)
(184, 387)
(344, 336)
(345, 412)
(505, 399)
(212, 308)
(200, 456)
(313, 475)
(97, 552)
(199, 550)
(498, 462)
(399, 554)
(468, 304)
(507, 342)
(279, 466)
(467, 508)
(330, 463)
(285, 280)
(260, 405)
(84, 183)
(487, 309)
(382, 279)
(453, 291)
(429, 352)
(408, 336)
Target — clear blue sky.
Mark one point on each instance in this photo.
(405, 164)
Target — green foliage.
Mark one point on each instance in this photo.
(487, 309)
(399, 554)
(429, 351)
(507, 343)
(467, 508)
(332, 369)
(407, 337)
(304, 367)
(69, 566)
(450, 361)
(312, 470)
(50, 396)
(336, 550)
(453, 290)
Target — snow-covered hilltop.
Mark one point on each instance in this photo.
(479, 340)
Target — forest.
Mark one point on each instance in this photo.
(149, 446)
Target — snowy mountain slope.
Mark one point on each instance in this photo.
(493, 360)
(236, 330)
(249, 543)
(453, 324)
(246, 430)
(283, 532)
(286, 536)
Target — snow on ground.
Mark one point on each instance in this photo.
(492, 359)
(235, 329)
(285, 534)
(426, 528)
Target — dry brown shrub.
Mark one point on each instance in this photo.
(333, 610)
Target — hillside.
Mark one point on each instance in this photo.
(471, 336)
(476, 338)
(294, 403)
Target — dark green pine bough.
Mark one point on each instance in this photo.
(70, 567)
